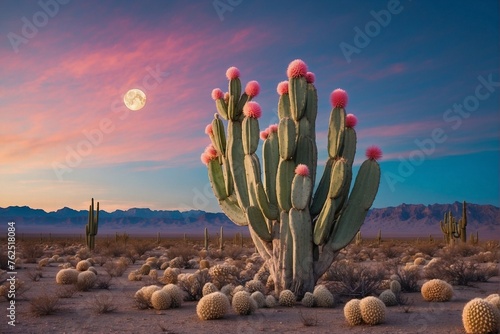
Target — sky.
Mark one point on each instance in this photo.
(422, 78)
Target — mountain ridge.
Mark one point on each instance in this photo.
(402, 220)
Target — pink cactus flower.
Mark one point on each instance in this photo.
(302, 170)
(226, 97)
(351, 120)
(310, 77)
(252, 109)
(252, 88)
(217, 94)
(339, 98)
(296, 68)
(374, 153)
(282, 88)
(204, 158)
(208, 130)
(264, 134)
(211, 152)
(272, 128)
(232, 73)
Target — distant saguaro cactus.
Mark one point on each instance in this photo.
(296, 231)
(91, 227)
(453, 229)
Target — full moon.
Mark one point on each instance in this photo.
(134, 99)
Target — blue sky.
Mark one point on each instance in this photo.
(423, 81)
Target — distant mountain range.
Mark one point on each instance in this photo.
(404, 220)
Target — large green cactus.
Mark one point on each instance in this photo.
(91, 227)
(453, 229)
(297, 231)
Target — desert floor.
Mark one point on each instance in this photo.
(76, 314)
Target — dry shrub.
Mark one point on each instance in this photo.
(459, 250)
(103, 282)
(390, 251)
(66, 291)
(428, 248)
(102, 303)
(354, 279)
(44, 305)
(116, 268)
(34, 274)
(141, 302)
(31, 251)
(408, 277)
(142, 246)
(459, 272)
(182, 250)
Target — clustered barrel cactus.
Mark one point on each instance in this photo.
(298, 232)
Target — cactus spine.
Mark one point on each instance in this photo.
(453, 229)
(91, 227)
(297, 230)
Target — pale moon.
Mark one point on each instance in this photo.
(134, 99)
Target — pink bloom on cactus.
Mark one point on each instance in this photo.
(226, 96)
(211, 152)
(272, 128)
(252, 88)
(232, 73)
(297, 68)
(339, 98)
(264, 134)
(310, 77)
(252, 109)
(351, 120)
(374, 152)
(302, 170)
(217, 94)
(282, 88)
(208, 130)
(204, 158)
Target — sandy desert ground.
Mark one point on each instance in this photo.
(77, 311)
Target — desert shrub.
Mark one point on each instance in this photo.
(116, 268)
(66, 291)
(34, 274)
(354, 279)
(222, 274)
(31, 251)
(459, 250)
(182, 250)
(459, 272)
(67, 276)
(103, 282)
(44, 305)
(192, 284)
(176, 295)
(141, 246)
(102, 303)
(428, 248)
(390, 251)
(408, 277)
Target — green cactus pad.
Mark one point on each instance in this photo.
(221, 108)
(311, 106)
(258, 223)
(216, 177)
(297, 89)
(233, 211)
(269, 210)
(336, 132)
(236, 157)
(271, 158)
(304, 153)
(243, 99)
(286, 172)
(361, 198)
(219, 135)
(287, 138)
(284, 106)
(321, 192)
(349, 148)
(301, 192)
(250, 127)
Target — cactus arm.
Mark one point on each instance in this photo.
(236, 158)
(233, 211)
(336, 132)
(217, 180)
(298, 93)
(284, 184)
(321, 192)
(269, 210)
(361, 198)
(258, 223)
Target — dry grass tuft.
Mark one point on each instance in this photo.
(44, 305)
(102, 303)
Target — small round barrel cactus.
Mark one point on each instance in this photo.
(437, 290)
(323, 297)
(271, 301)
(395, 286)
(175, 294)
(161, 300)
(352, 312)
(83, 265)
(67, 276)
(86, 280)
(212, 306)
(480, 317)
(209, 288)
(308, 300)
(388, 297)
(287, 298)
(243, 303)
(259, 298)
(372, 310)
